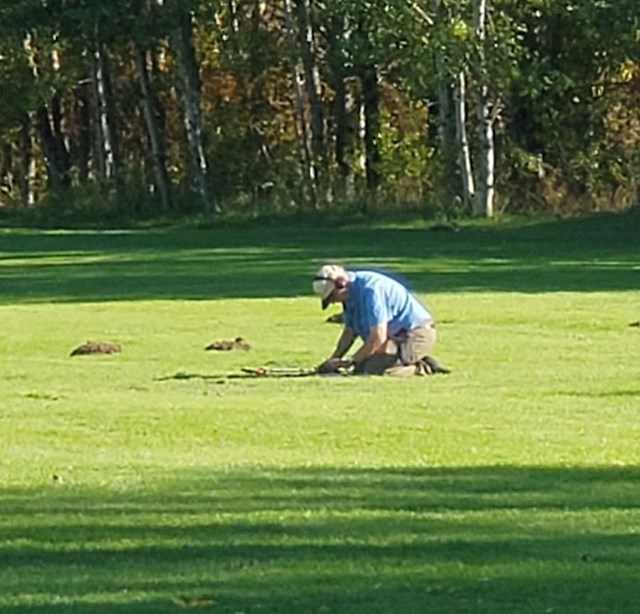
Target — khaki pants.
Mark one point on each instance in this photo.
(401, 353)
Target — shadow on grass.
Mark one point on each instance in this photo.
(485, 539)
(581, 255)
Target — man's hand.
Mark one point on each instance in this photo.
(333, 365)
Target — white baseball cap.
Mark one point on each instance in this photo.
(324, 282)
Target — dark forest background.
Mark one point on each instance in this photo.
(141, 108)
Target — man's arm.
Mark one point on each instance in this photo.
(334, 362)
(347, 337)
(374, 343)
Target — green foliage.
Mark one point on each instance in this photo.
(563, 97)
(405, 158)
(563, 78)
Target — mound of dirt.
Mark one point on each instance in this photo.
(239, 343)
(97, 347)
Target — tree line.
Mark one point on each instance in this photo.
(465, 107)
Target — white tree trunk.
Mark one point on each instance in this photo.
(156, 140)
(312, 76)
(466, 170)
(104, 145)
(181, 41)
(338, 33)
(310, 173)
(484, 202)
(28, 169)
(486, 162)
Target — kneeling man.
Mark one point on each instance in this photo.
(397, 330)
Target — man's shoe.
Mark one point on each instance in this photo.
(430, 366)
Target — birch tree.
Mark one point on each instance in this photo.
(106, 143)
(27, 164)
(154, 131)
(313, 90)
(45, 64)
(366, 62)
(447, 42)
(189, 87)
(460, 58)
(484, 199)
(343, 103)
(308, 162)
(464, 155)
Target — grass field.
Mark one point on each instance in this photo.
(150, 482)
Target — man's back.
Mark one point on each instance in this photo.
(375, 298)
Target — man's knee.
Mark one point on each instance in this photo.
(419, 343)
(376, 364)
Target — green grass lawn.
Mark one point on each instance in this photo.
(150, 482)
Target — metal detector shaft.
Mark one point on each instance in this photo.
(279, 371)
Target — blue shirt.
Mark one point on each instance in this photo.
(375, 298)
